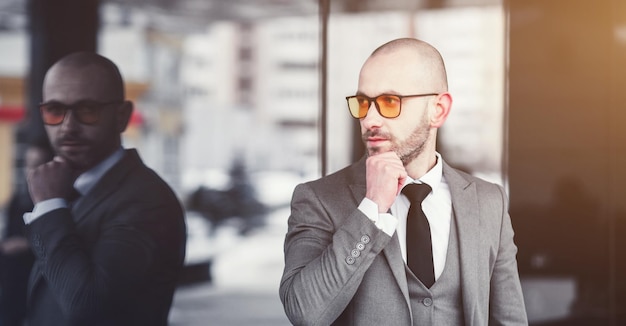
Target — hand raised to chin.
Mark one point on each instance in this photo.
(385, 175)
(54, 179)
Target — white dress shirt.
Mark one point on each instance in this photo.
(83, 184)
(437, 207)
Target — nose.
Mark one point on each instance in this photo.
(373, 119)
(69, 121)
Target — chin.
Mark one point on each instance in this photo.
(377, 150)
(77, 162)
(373, 151)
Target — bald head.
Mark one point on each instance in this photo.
(92, 83)
(86, 68)
(422, 56)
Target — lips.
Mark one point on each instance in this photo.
(375, 136)
(376, 140)
(72, 145)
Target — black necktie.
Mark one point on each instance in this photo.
(419, 250)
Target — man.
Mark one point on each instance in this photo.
(108, 234)
(349, 236)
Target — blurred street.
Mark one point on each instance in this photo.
(245, 272)
(204, 304)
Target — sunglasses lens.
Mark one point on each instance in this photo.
(389, 105)
(87, 114)
(358, 105)
(52, 114)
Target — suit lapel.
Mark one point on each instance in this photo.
(466, 214)
(105, 186)
(392, 250)
(396, 263)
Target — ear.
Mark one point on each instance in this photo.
(123, 114)
(442, 109)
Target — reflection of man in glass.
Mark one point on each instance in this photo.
(350, 246)
(108, 234)
(16, 258)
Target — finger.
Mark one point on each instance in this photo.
(59, 159)
(385, 159)
(401, 181)
(75, 172)
(62, 164)
(389, 154)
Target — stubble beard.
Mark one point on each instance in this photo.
(408, 149)
(413, 146)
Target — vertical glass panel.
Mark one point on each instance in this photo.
(230, 109)
(566, 145)
(471, 40)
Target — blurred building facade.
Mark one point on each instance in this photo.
(208, 94)
(537, 108)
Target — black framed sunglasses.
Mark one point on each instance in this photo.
(86, 112)
(387, 105)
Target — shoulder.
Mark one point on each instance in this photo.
(339, 190)
(460, 180)
(134, 178)
(353, 174)
(135, 167)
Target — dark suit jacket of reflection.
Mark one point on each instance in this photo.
(319, 286)
(114, 258)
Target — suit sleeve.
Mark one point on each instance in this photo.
(506, 303)
(92, 281)
(325, 262)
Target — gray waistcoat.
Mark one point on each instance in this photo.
(442, 303)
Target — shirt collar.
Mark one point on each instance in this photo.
(89, 178)
(432, 177)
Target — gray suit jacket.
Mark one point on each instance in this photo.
(322, 286)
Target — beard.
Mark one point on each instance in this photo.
(407, 149)
(413, 146)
